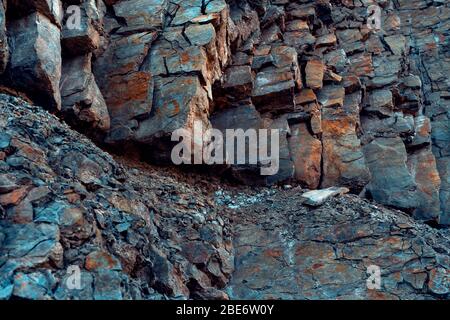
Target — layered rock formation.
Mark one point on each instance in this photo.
(358, 107)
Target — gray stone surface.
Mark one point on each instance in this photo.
(35, 61)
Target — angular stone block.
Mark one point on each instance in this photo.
(82, 101)
(391, 183)
(141, 15)
(52, 9)
(36, 59)
(306, 153)
(343, 159)
(422, 166)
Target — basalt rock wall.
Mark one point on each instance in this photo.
(356, 106)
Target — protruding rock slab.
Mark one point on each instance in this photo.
(82, 101)
(52, 9)
(314, 74)
(391, 183)
(179, 101)
(31, 244)
(343, 159)
(286, 165)
(422, 166)
(275, 84)
(128, 90)
(36, 58)
(332, 96)
(83, 39)
(316, 198)
(380, 102)
(242, 117)
(141, 15)
(306, 153)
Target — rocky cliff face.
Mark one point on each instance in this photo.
(137, 232)
(357, 106)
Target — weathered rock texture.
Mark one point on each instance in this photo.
(64, 202)
(357, 107)
(323, 253)
(136, 232)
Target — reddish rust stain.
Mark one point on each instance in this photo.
(185, 57)
(273, 253)
(13, 197)
(317, 266)
(172, 108)
(337, 127)
(98, 260)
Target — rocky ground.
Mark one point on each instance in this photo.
(134, 233)
(143, 232)
(286, 250)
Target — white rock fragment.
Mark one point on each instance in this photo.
(318, 197)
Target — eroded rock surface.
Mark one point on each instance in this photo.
(35, 58)
(284, 250)
(139, 232)
(64, 203)
(158, 66)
